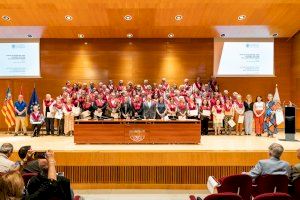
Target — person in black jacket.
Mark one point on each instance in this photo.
(126, 109)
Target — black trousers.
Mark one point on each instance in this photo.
(36, 129)
(49, 125)
(204, 125)
(60, 126)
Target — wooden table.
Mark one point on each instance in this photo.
(137, 131)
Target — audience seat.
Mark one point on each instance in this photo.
(270, 184)
(295, 192)
(224, 196)
(239, 184)
(27, 177)
(274, 196)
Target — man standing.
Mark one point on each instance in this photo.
(20, 110)
(149, 108)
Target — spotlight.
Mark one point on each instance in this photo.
(178, 17)
(80, 35)
(68, 17)
(129, 35)
(128, 17)
(86, 43)
(5, 18)
(170, 35)
(275, 34)
(241, 17)
(223, 35)
(29, 36)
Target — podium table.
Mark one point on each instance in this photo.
(137, 131)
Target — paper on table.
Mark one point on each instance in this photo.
(241, 119)
(181, 117)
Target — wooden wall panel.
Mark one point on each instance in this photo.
(137, 59)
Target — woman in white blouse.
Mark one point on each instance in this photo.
(239, 110)
(259, 109)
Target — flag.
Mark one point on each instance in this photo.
(276, 97)
(34, 101)
(8, 109)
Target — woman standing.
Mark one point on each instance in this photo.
(161, 108)
(248, 104)
(270, 118)
(218, 116)
(229, 113)
(205, 116)
(69, 117)
(239, 110)
(192, 108)
(259, 109)
(172, 108)
(182, 108)
(57, 109)
(49, 118)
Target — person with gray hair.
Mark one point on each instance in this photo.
(7, 165)
(273, 165)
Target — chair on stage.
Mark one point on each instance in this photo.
(27, 176)
(274, 196)
(295, 189)
(270, 184)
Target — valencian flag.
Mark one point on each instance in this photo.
(34, 101)
(8, 109)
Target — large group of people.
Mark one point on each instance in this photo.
(191, 100)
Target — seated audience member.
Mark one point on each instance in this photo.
(12, 186)
(31, 163)
(273, 165)
(7, 165)
(295, 173)
(36, 119)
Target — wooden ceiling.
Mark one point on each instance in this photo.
(151, 18)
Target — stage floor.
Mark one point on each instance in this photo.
(214, 143)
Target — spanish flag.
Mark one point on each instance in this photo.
(8, 109)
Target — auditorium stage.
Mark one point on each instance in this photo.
(138, 166)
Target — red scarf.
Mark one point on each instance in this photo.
(36, 117)
(48, 102)
(218, 108)
(68, 107)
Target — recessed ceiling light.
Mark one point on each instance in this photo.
(86, 43)
(5, 18)
(68, 17)
(129, 35)
(275, 35)
(80, 35)
(128, 17)
(178, 17)
(170, 35)
(223, 35)
(241, 17)
(29, 36)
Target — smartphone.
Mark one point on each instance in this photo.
(39, 155)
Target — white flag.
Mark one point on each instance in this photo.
(276, 95)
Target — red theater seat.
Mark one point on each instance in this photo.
(273, 196)
(296, 189)
(270, 184)
(224, 196)
(27, 177)
(239, 184)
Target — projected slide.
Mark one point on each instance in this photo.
(236, 58)
(19, 60)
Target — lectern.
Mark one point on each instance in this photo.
(290, 121)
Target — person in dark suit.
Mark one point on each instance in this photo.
(149, 108)
(126, 109)
(137, 107)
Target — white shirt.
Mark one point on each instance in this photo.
(259, 105)
(5, 164)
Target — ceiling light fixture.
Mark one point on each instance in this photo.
(178, 17)
(223, 35)
(68, 17)
(170, 35)
(128, 17)
(241, 17)
(275, 34)
(129, 35)
(29, 36)
(86, 43)
(80, 35)
(5, 18)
